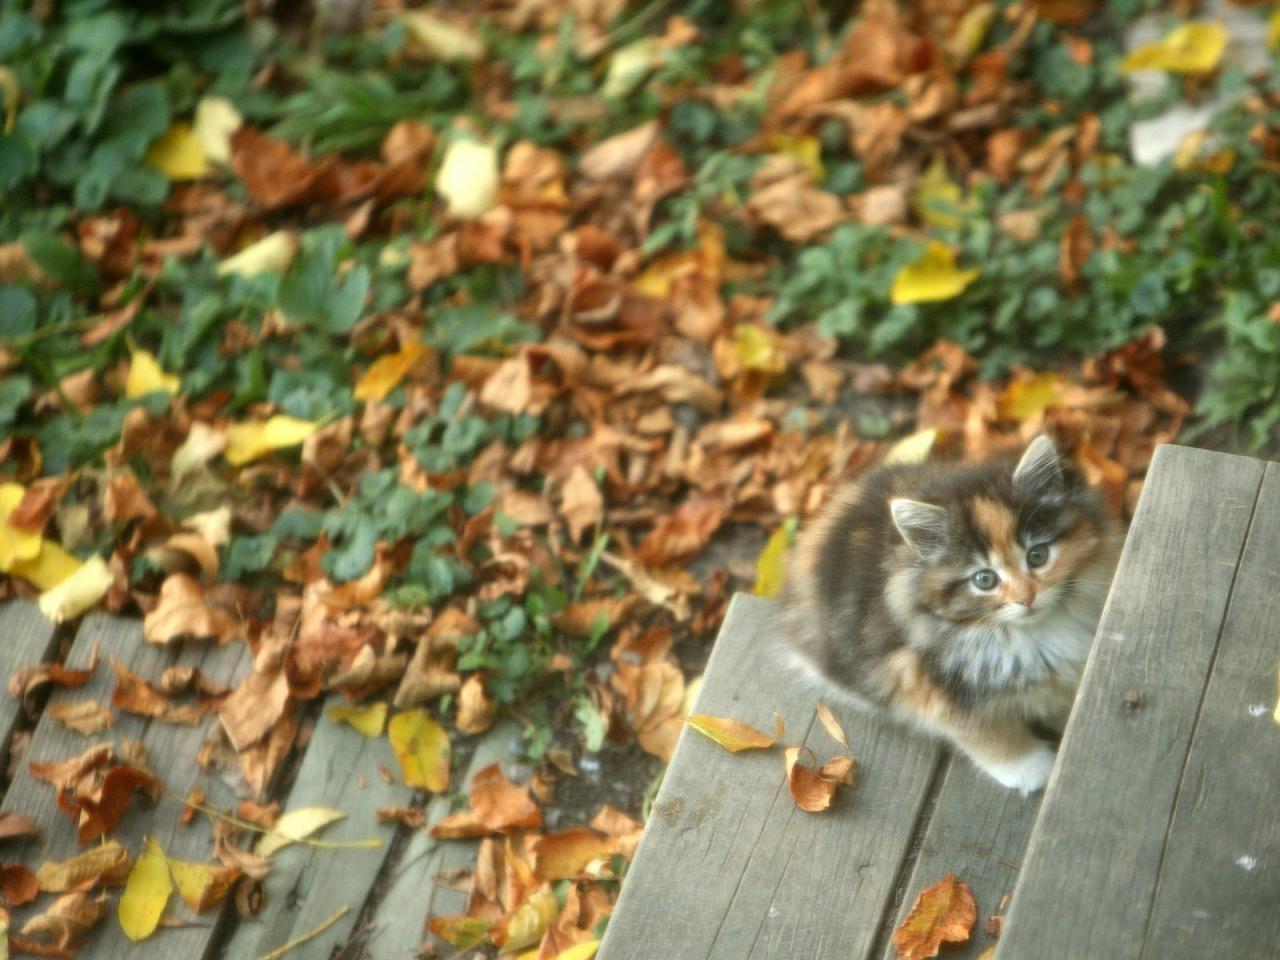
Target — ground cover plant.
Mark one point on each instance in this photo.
(468, 357)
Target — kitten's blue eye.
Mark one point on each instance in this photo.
(1037, 556)
(985, 579)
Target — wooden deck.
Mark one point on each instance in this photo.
(387, 893)
(1158, 837)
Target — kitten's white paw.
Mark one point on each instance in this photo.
(1029, 773)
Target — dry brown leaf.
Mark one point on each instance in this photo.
(813, 790)
(17, 825)
(183, 613)
(831, 724)
(475, 709)
(66, 922)
(135, 695)
(106, 864)
(497, 806)
(83, 716)
(581, 503)
(681, 534)
(564, 855)
(943, 913)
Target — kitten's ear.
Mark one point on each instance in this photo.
(922, 525)
(1040, 469)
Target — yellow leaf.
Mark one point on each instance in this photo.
(146, 893)
(734, 735)
(177, 154)
(1273, 29)
(249, 441)
(1188, 48)
(106, 859)
(296, 825)
(912, 449)
(629, 65)
(10, 97)
(937, 199)
(78, 592)
(579, 951)
(971, 30)
(756, 349)
(1026, 399)
(273, 252)
(530, 922)
(805, 150)
(422, 747)
(201, 885)
(15, 544)
(468, 178)
(431, 37)
(368, 719)
(145, 376)
(933, 277)
(216, 120)
(385, 373)
(50, 567)
(771, 565)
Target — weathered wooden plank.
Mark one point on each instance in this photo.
(26, 638)
(978, 830)
(309, 884)
(1218, 894)
(728, 866)
(1086, 885)
(413, 894)
(172, 751)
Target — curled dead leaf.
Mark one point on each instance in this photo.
(943, 913)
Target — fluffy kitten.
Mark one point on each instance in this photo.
(960, 598)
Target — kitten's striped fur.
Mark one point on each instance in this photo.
(887, 601)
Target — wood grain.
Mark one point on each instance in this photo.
(307, 884)
(1218, 893)
(977, 830)
(414, 891)
(171, 750)
(728, 866)
(1086, 887)
(26, 638)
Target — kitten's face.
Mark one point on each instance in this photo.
(1009, 548)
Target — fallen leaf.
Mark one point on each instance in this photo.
(933, 277)
(274, 253)
(15, 543)
(67, 921)
(468, 178)
(912, 449)
(14, 825)
(183, 612)
(431, 37)
(683, 533)
(497, 806)
(385, 373)
(1026, 398)
(938, 200)
(216, 119)
(461, 931)
(563, 855)
(18, 885)
(368, 720)
(527, 925)
(296, 825)
(831, 724)
(734, 735)
(146, 376)
(85, 717)
(177, 153)
(202, 885)
(475, 709)
(1188, 48)
(107, 863)
(581, 503)
(135, 695)
(812, 790)
(249, 441)
(146, 893)
(422, 747)
(943, 913)
(51, 566)
(771, 565)
(78, 592)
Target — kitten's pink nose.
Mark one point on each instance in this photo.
(1024, 597)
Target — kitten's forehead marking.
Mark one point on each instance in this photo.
(999, 524)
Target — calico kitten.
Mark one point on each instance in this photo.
(961, 599)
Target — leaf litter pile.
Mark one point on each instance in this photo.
(461, 360)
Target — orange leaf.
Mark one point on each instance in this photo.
(734, 735)
(943, 913)
(813, 790)
(18, 885)
(562, 856)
